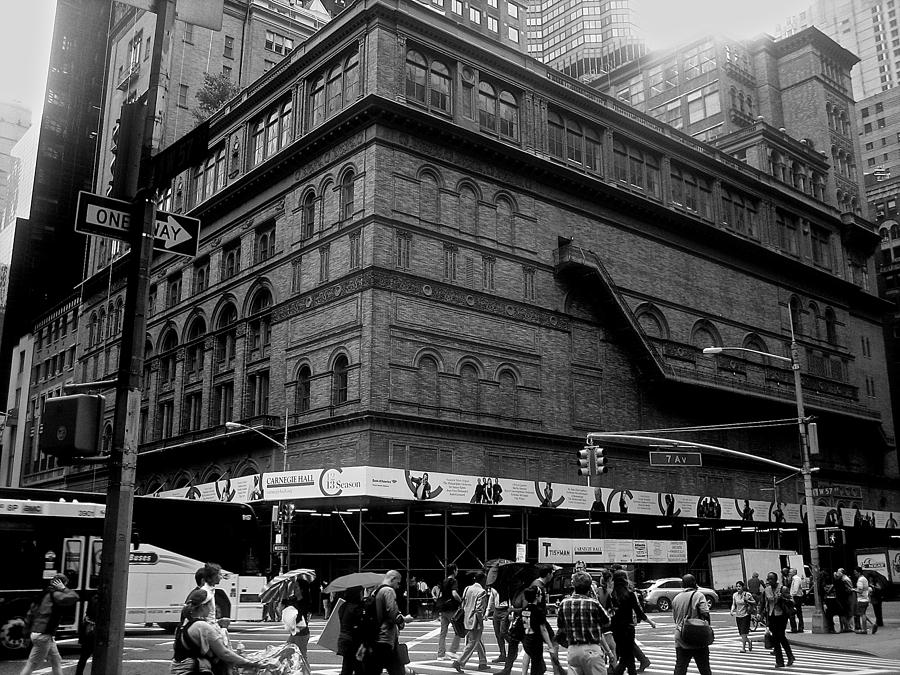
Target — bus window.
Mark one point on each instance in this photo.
(73, 554)
(96, 550)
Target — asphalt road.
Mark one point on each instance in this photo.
(148, 650)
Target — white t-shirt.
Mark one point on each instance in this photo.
(862, 589)
(796, 588)
(289, 619)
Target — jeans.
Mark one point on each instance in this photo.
(683, 659)
(384, 657)
(473, 643)
(87, 650)
(797, 621)
(442, 640)
(624, 637)
(777, 626)
(586, 660)
(501, 627)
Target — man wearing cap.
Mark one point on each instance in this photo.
(44, 622)
(197, 639)
(581, 620)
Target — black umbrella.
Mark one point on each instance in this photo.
(510, 578)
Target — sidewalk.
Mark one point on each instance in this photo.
(884, 644)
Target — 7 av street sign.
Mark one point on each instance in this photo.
(105, 217)
(674, 458)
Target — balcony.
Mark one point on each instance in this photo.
(130, 75)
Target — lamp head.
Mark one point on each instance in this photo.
(234, 425)
(712, 350)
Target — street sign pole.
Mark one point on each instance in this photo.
(123, 456)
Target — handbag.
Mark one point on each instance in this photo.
(695, 632)
(768, 641)
(402, 653)
(517, 629)
(458, 622)
(787, 606)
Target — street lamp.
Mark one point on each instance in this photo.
(237, 426)
(818, 619)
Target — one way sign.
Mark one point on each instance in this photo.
(176, 234)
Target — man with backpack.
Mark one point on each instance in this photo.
(44, 620)
(198, 642)
(380, 626)
(447, 605)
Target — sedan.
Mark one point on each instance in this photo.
(659, 593)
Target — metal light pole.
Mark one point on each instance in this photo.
(818, 617)
(282, 528)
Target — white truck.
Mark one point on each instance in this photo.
(727, 567)
(885, 561)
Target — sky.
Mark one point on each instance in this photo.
(26, 27)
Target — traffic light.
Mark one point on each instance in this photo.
(70, 427)
(831, 536)
(600, 461)
(125, 148)
(586, 466)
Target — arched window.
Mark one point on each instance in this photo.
(416, 72)
(348, 208)
(272, 134)
(429, 198)
(339, 380)
(555, 135)
(507, 398)
(260, 325)
(351, 79)
(487, 107)
(505, 223)
(830, 326)
(308, 216)
(107, 439)
(167, 357)
(287, 124)
(440, 87)
(509, 115)
(317, 102)
(705, 335)
(259, 144)
(120, 306)
(148, 353)
(652, 322)
(304, 390)
(428, 388)
(334, 91)
(756, 343)
(574, 142)
(194, 355)
(468, 388)
(93, 330)
(101, 324)
(468, 211)
(226, 336)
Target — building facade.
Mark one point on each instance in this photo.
(423, 251)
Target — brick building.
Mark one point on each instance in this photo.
(422, 250)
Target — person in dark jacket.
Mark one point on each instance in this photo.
(44, 622)
(349, 638)
(87, 632)
(626, 605)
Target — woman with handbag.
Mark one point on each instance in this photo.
(778, 606)
(742, 604)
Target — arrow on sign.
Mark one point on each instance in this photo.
(171, 232)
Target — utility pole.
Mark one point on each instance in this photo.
(123, 456)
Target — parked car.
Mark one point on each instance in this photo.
(659, 593)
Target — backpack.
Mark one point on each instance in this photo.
(184, 645)
(369, 622)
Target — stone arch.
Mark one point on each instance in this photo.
(754, 341)
(197, 314)
(182, 479)
(429, 352)
(705, 334)
(470, 361)
(260, 284)
(652, 320)
(508, 368)
(228, 299)
(168, 338)
(212, 473)
(246, 467)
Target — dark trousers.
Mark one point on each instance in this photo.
(87, 650)
(876, 608)
(501, 628)
(777, 626)
(683, 659)
(384, 657)
(797, 621)
(350, 666)
(624, 637)
(512, 653)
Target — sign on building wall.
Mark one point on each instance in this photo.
(609, 551)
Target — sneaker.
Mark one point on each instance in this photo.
(874, 628)
(644, 665)
(790, 662)
(484, 667)
(499, 659)
(457, 667)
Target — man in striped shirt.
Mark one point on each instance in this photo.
(581, 621)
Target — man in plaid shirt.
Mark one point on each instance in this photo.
(581, 620)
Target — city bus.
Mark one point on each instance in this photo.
(45, 532)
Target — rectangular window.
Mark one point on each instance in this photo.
(226, 72)
(277, 43)
(182, 95)
(223, 404)
(450, 255)
(403, 245)
(165, 422)
(296, 276)
(786, 226)
(474, 15)
(487, 272)
(513, 34)
(228, 51)
(324, 262)
(492, 24)
(258, 394)
(193, 404)
(189, 33)
(821, 247)
(456, 7)
(512, 10)
(355, 251)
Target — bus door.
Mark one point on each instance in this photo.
(74, 566)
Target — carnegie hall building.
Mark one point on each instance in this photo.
(424, 252)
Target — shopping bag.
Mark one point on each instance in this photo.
(402, 653)
(329, 637)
